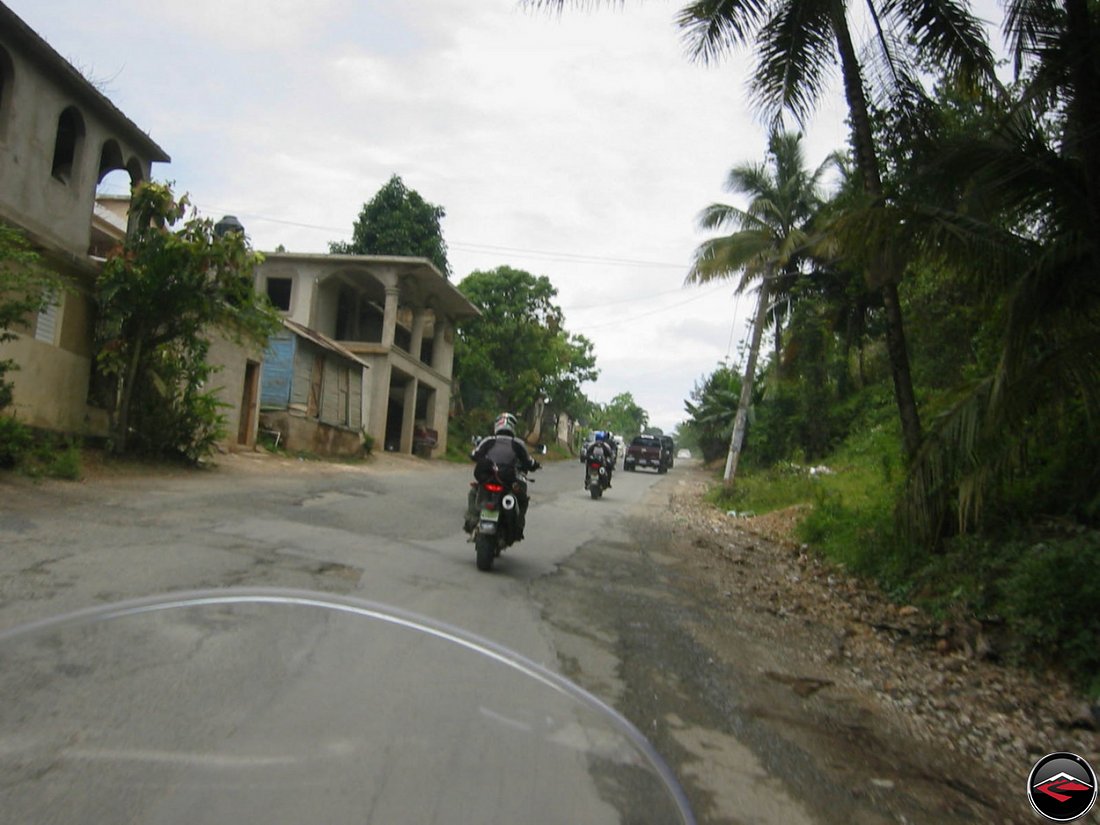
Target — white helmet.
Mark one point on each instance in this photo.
(505, 424)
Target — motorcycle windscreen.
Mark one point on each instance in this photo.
(291, 707)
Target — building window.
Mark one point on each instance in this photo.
(45, 326)
(278, 290)
(70, 136)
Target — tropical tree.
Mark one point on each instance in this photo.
(711, 410)
(517, 350)
(398, 221)
(770, 241)
(26, 287)
(1027, 228)
(623, 415)
(160, 297)
(797, 42)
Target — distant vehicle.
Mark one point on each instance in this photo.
(683, 454)
(668, 449)
(645, 451)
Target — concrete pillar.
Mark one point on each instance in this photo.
(379, 401)
(365, 400)
(389, 316)
(416, 346)
(408, 415)
(443, 346)
(438, 409)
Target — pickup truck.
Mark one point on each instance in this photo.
(645, 451)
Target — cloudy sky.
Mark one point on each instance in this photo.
(581, 146)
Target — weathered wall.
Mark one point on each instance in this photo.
(50, 388)
(300, 434)
(229, 383)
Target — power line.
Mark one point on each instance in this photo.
(540, 254)
(654, 311)
(565, 256)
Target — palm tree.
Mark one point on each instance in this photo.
(770, 239)
(1031, 219)
(798, 42)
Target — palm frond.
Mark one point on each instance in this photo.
(723, 216)
(1031, 27)
(724, 257)
(712, 27)
(795, 52)
(946, 32)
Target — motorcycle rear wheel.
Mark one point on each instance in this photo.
(596, 490)
(486, 547)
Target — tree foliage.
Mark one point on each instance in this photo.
(518, 350)
(767, 249)
(711, 410)
(398, 221)
(26, 288)
(160, 297)
(622, 415)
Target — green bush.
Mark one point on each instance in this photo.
(1050, 601)
(37, 453)
(16, 440)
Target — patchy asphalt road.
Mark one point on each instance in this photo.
(744, 696)
(637, 597)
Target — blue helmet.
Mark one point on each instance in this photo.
(600, 435)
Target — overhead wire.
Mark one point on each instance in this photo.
(566, 257)
(618, 321)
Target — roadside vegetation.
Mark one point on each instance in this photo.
(995, 517)
(928, 328)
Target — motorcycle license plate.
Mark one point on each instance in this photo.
(490, 515)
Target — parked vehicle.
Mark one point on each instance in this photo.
(645, 451)
(499, 516)
(596, 479)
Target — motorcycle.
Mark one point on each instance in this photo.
(498, 505)
(596, 479)
(289, 706)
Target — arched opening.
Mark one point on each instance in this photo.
(67, 145)
(136, 172)
(7, 80)
(110, 160)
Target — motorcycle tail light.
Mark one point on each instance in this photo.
(494, 488)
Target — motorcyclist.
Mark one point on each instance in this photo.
(600, 450)
(510, 458)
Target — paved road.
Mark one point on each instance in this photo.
(285, 696)
(390, 535)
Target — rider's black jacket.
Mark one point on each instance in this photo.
(506, 452)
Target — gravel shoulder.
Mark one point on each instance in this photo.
(892, 701)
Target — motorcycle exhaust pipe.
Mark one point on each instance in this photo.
(508, 502)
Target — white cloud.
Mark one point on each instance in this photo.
(580, 146)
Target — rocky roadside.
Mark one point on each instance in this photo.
(934, 680)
